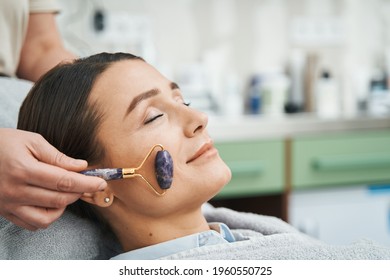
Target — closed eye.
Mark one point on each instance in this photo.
(153, 118)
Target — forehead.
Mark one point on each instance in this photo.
(129, 77)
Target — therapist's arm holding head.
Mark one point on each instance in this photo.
(42, 48)
(37, 182)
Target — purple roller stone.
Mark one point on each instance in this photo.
(164, 169)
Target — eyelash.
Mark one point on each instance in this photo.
(160, 115)
(154, 118)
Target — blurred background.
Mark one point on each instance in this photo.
(294, 49)
(297, 92)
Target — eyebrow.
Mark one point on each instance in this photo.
(145, 95)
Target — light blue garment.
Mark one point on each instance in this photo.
(219, 234)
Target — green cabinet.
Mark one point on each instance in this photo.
(267, 167)
(340, 159)
(257, 167)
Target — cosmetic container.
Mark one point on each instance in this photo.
(255, 99)
(327, 96)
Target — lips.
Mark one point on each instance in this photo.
(202, 150)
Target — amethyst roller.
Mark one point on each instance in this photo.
(163, 166)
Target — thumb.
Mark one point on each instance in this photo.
(45, 152)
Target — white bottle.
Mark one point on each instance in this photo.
(233, 102)
(327, 96)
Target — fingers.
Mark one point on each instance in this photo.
(14, 219)
(45, 152)
(51, 170)
(55, 178)
(19, 209)
(31, 195)
(32, 218)
(37, 217)
(37, 181)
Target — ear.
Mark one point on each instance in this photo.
(102, 198)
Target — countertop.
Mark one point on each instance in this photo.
(249, 127)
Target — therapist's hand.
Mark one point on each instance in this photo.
(37, 182)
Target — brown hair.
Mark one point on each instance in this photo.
(57, 107)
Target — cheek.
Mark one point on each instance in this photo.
(135, 192)
(126, 154)
(205, 180)
(217, 174)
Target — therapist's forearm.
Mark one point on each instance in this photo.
(42, 49)
(47, 61)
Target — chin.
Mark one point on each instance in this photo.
(223, 175)
(227, 175)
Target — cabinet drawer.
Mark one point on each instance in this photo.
(354, 158)
(257, 167)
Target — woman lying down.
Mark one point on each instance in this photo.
(112, 109)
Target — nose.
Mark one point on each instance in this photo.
(194, 122)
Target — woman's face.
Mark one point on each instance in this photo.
(142, 108)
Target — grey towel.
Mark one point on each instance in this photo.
(263, 237)
(258, 237)
(69, 238)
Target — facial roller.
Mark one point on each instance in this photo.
(163, 166)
